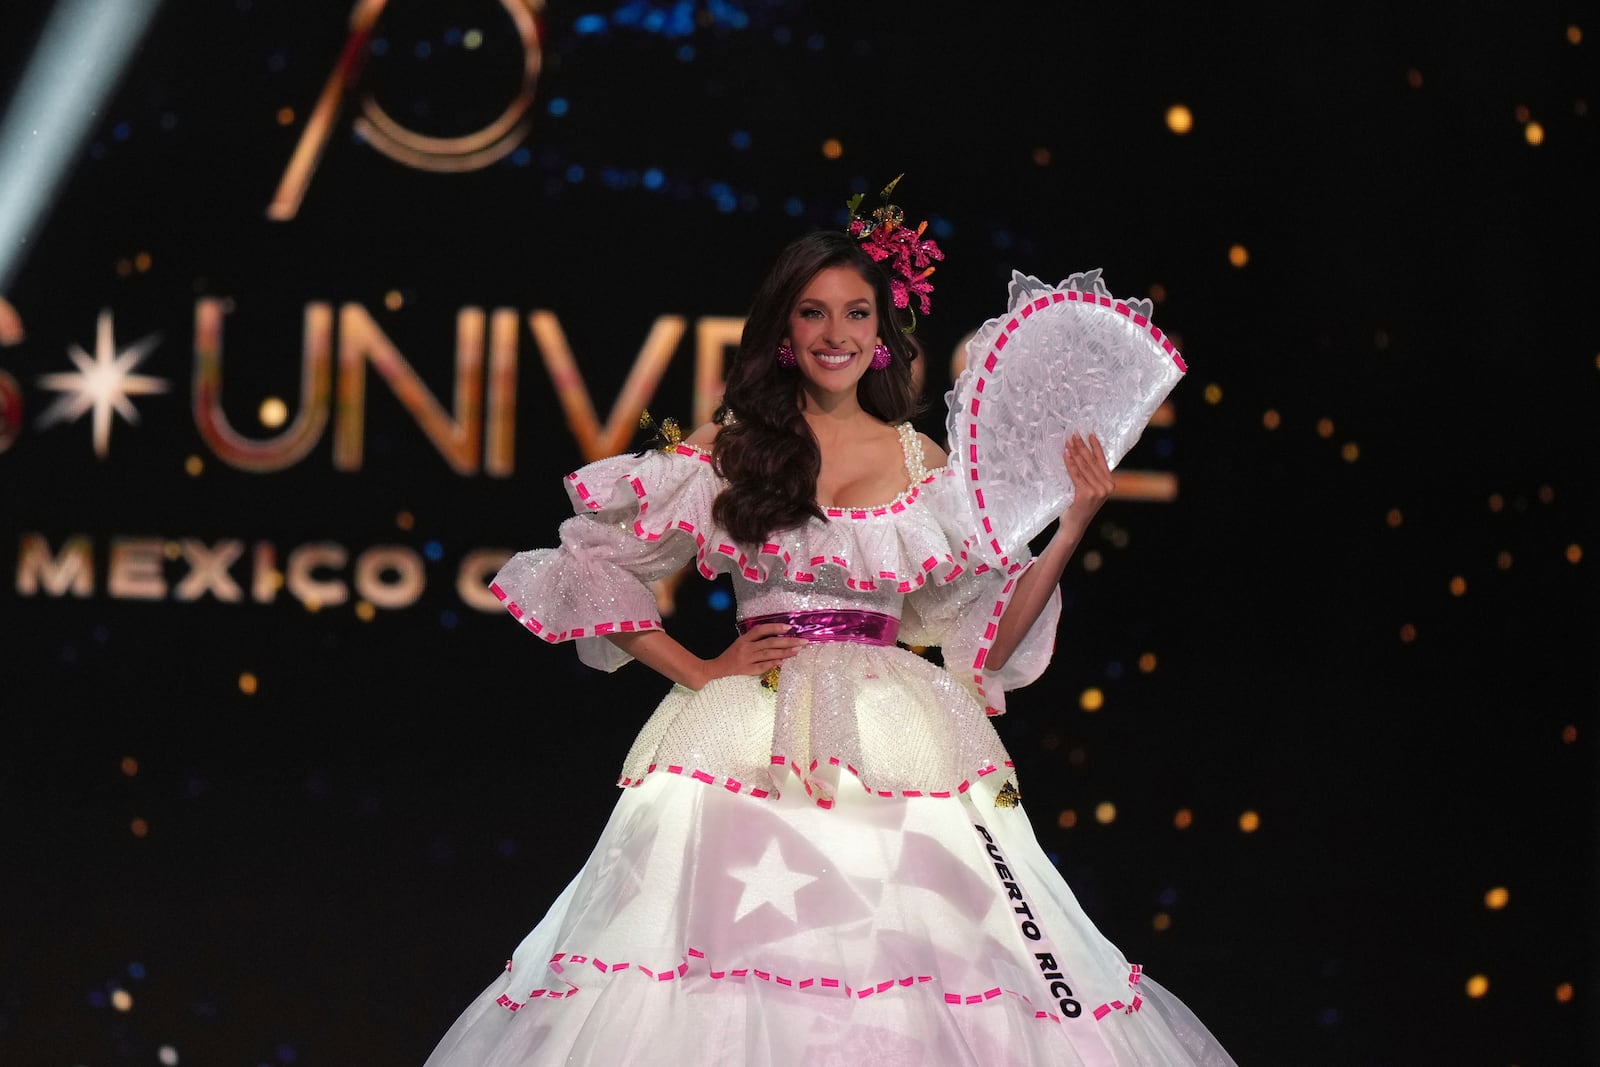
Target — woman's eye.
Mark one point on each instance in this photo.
(859, 313)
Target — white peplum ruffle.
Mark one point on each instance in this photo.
(844, 718)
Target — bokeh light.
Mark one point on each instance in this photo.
(1091, 699)
(194, 466)
(1458, 586)
(273, 413)
(1534, 133)
(1180, 119)
(1161, 921)
(139, 828)
(1183, 818)
(1249, 821)
(832, 148)
(1477, 986)
(1067, 819)
(1496, 898)
(1395, 518)
(122, 1000)
(1408, 633)
(248, 684)
(130, 766)
(1213, 393)
(1238, 255)
(1105, 812)
(1147, 662)
(1564, 993)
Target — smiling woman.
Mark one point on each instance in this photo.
(820, 852)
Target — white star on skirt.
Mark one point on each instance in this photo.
(770, 881)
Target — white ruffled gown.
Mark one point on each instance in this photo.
(818, 873)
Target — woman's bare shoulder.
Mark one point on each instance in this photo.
(933, 457)
(704, 436)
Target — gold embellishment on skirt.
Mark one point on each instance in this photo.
(1008, 797)
(770, 678)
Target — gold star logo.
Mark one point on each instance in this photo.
(102, 384)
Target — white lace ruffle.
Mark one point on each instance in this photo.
(666, 496)
(1063, 359)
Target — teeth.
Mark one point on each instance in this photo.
(834, 361)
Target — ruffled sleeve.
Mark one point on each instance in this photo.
(962, 617)
(637, 521)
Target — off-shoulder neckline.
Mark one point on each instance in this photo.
(917, 473)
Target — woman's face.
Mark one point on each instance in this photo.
(833, 329)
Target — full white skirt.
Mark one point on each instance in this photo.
(715, 927)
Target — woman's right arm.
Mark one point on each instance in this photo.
(754, 653)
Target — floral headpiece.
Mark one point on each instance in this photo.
(884, 236)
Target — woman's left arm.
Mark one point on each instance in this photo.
(1092, 483)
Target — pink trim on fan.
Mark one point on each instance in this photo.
(992, 360)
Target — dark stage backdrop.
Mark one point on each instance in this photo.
(326, 302)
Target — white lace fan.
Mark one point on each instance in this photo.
(1063, 359)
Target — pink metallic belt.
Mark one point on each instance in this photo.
(861, 627)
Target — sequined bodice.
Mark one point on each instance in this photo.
(833, 588)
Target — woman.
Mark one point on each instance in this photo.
(819, 856)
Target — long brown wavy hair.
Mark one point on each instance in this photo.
(766, 451)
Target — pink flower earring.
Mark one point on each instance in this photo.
(786, 355)
(880, 356)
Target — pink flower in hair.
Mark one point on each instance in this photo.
(885, 237)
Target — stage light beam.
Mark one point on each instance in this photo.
(80, 55)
